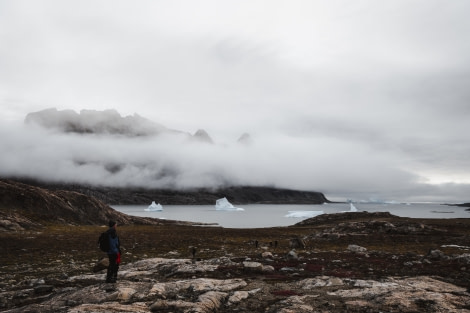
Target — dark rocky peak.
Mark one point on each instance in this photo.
(203, 136)
(245, 139)
(108, 122)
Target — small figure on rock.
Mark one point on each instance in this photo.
(193, 252)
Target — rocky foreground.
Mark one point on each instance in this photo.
(350, 262)
(182, 285)
(346, 262)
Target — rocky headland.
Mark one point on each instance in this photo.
(235, 194)
(346, 262)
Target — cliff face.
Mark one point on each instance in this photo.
(25, 206)
(236, 195)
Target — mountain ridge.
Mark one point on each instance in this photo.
(118, 178)
(199, 196)
(107, 122)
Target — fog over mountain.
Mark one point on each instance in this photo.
(93, 122)
(356, 99)
(103, 148)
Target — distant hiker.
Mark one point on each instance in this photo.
(114, 253)
(193, 251)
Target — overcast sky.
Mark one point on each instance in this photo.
(357, 99)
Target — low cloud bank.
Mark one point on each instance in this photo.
(173, 160)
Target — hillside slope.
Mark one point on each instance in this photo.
(25, 206)
(235, 194)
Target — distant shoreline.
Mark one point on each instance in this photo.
(203, 196)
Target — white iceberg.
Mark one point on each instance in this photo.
(154, 207)
(304, 214)
(352, 208)
(223, 205)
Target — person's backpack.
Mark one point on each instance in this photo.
(103, 242)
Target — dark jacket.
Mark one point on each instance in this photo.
(114, 244)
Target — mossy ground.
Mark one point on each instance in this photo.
(71, 250)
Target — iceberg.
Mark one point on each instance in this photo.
(304, 214)
(352, 208)
(154, 207)
(224, 205)
(380, 201)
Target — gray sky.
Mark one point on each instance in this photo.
(358, 99)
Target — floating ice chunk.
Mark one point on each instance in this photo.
(304, 213)
(223, 205)
(154, 207)
(380, 201)
(352, 208)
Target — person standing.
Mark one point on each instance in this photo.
(114, 253)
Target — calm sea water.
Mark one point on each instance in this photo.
(267, 215)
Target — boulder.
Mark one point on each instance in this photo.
(267, 255)
(297, 243)
(101, 265)
(252, 266)
(292, 255)
(356, 248)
